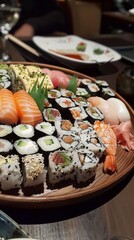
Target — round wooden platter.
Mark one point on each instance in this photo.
(70, 194)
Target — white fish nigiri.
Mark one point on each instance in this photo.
(120, 109)
(105, 107)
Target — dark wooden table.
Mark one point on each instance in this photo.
(111, 213)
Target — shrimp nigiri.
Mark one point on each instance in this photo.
(107, 110)
(8, 109)
(108, 138)
(28, 110)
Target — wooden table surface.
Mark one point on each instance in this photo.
(111, 213)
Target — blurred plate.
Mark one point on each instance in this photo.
(65, 50)
(9, 228)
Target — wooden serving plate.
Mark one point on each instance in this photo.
(68, 194)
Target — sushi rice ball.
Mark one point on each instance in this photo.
(26, 146)
(24, 130)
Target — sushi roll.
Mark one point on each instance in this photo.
(78, 113)
(48, 143)
(90, 142)
(45, 128)
(53, 94)
(47, 103)
(51, 114)
(94, 114)
(10, 173)
(63, 126)
(61, 166)
(5, 146)
(69, 141)
(33, 170)
(85, 81)
(102, 83)
(5, 130)
(26, 146)
(66, 93)
(5, 78)
(65, 102)
(93, 88)
(83, 126)
(86, 167)
(107, 93)
(24, 130)
(80, 101)
(82, 92)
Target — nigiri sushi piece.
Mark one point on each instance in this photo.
(27, 108)
(124, 135)
(58, 78)
(8, 109)
(107, 136)
(104, 106)
(120, 109)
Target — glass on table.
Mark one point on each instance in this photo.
(125, 84)
(9, 15)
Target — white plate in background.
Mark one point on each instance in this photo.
(68, 44)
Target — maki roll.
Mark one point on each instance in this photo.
(86, 167)
(65, 102)
(51, 114)
(24, 130)
(10, 174)
(66, 93)
(5, 146)
(94, 114)
(61, 166)
(80, 101)
(102, 83)
(48, 143)
(85, 81)
(90, 142)
(5, 130)
(33, 170)
(63, 126)
(107, 93)
(93, 88)
(78, 113)
(69, 141)
(5, 78)
(45, 128)
(26, 146)
(83, 126)
(82, 92)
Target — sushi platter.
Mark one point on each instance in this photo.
(61, 137)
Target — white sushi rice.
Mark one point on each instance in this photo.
(10, 174)
(26, 146)
(34, 170)
(54, 93)
(81, 92)
(60, 130)
(24, 130)
(48, 143)
(69, 141)
(5, 130)
(78, 113)
(45, 127)
(5, 146)
(86, 167)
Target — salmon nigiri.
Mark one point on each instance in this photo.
(8, 109)
(27, 108)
